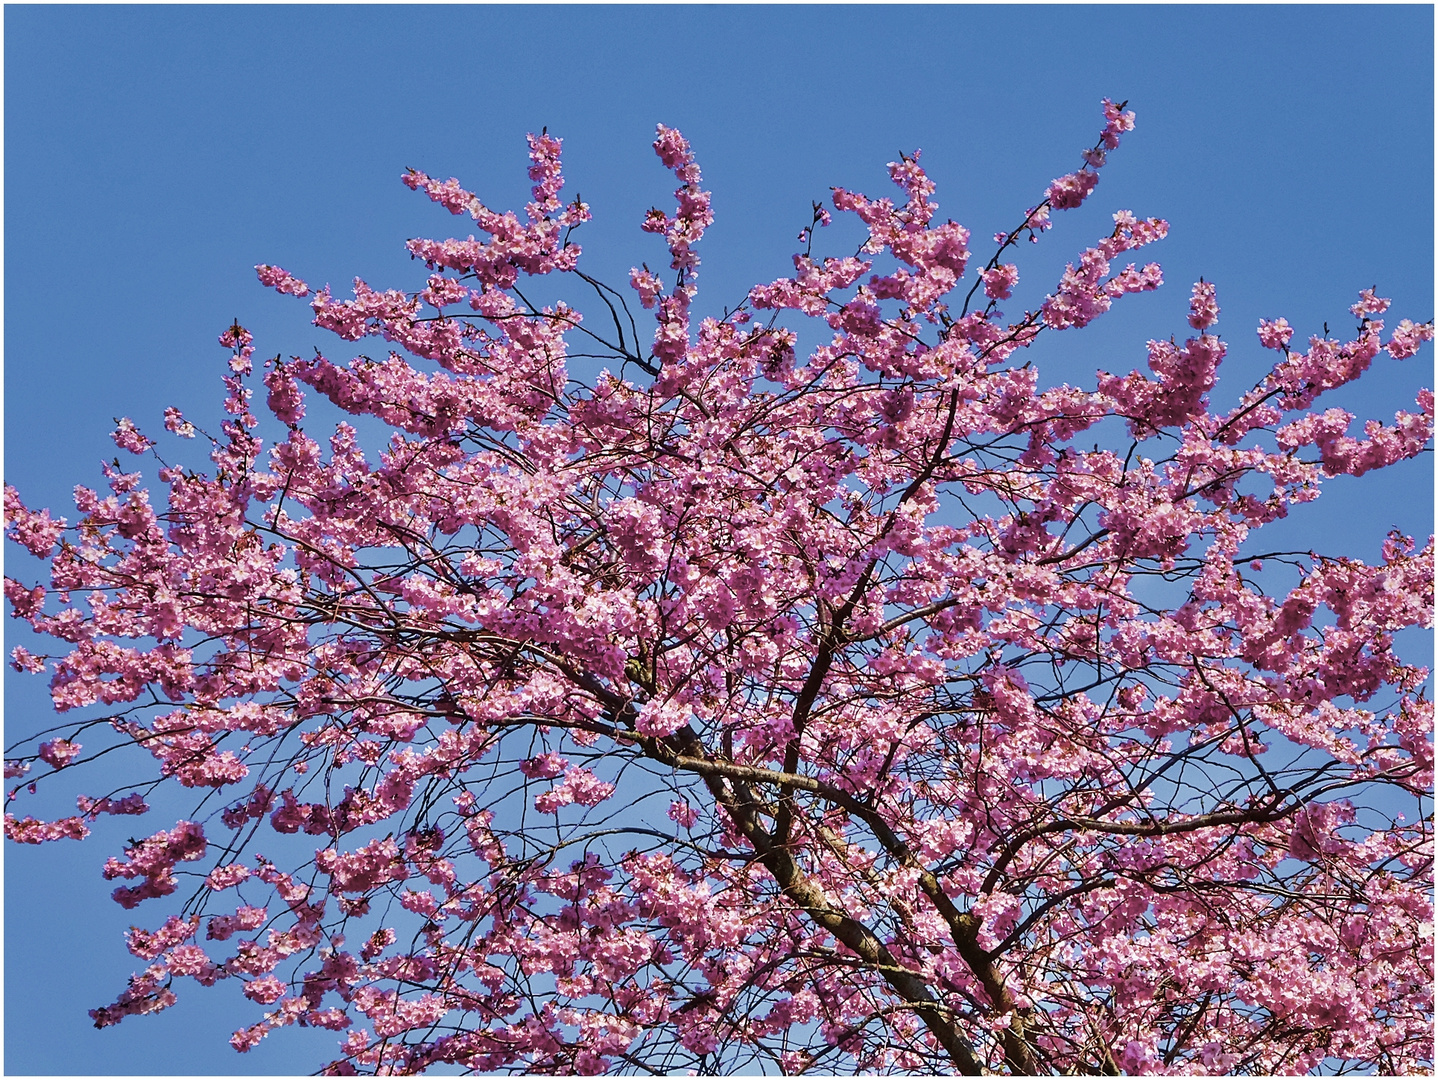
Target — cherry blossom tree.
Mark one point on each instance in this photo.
(811, 686)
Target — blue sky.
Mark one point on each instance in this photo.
(154, 155)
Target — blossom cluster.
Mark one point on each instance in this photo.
(890, 707)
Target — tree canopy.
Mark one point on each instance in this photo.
(808, 686)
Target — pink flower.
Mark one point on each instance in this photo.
(193, 961)
(544, 766)
(377, 863)
(59, 752)
(578, 786)
(128, 437)
(147, 944)
(1314, 831)
(647, 285)
(1407, 337)
(377, 943)
(285, 399)
(145, 994)
(26, 604)
(1117, 122)
(1369, 303)
(281, 281)
(22, 659)
(38, 533)
(661, 718)
(441, 291)
(133, 804)
(1069, 191)
(248, 1038)
(672, 148)
(1000, 281)
(1138, 1058)
(1202, 306)
(266, 990)
(1276, 334)
(154, 859)
(449, 194)
(226, 877)
(223, 927)
(176, 423)
(32, 831)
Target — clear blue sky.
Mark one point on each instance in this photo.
(154, 155)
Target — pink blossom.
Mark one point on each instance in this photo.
(154, 859)
(38, 533)
(128, 437)
(26, 604)
(285, 399)
(223, 927)
(59, 752)
(544, 766)
(1314, 833)
(1000, 281)
(193, 961)
(578, 786)
(378, 942)
(145, 994)
(32, 831)
(647, 285)
(661, 718)
(266, 990)
(1407, 337)
(365, 868)
(248, 1038)
(1117, 122)
(132, 804)
(1138, 1059)
(176, 423)
(281, 281)
(1276, 334)
(1069, 191)
(1202, 307)
(681, 812)
(147, 945)
(226, 877)
(441, 291)
(1369, 304)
